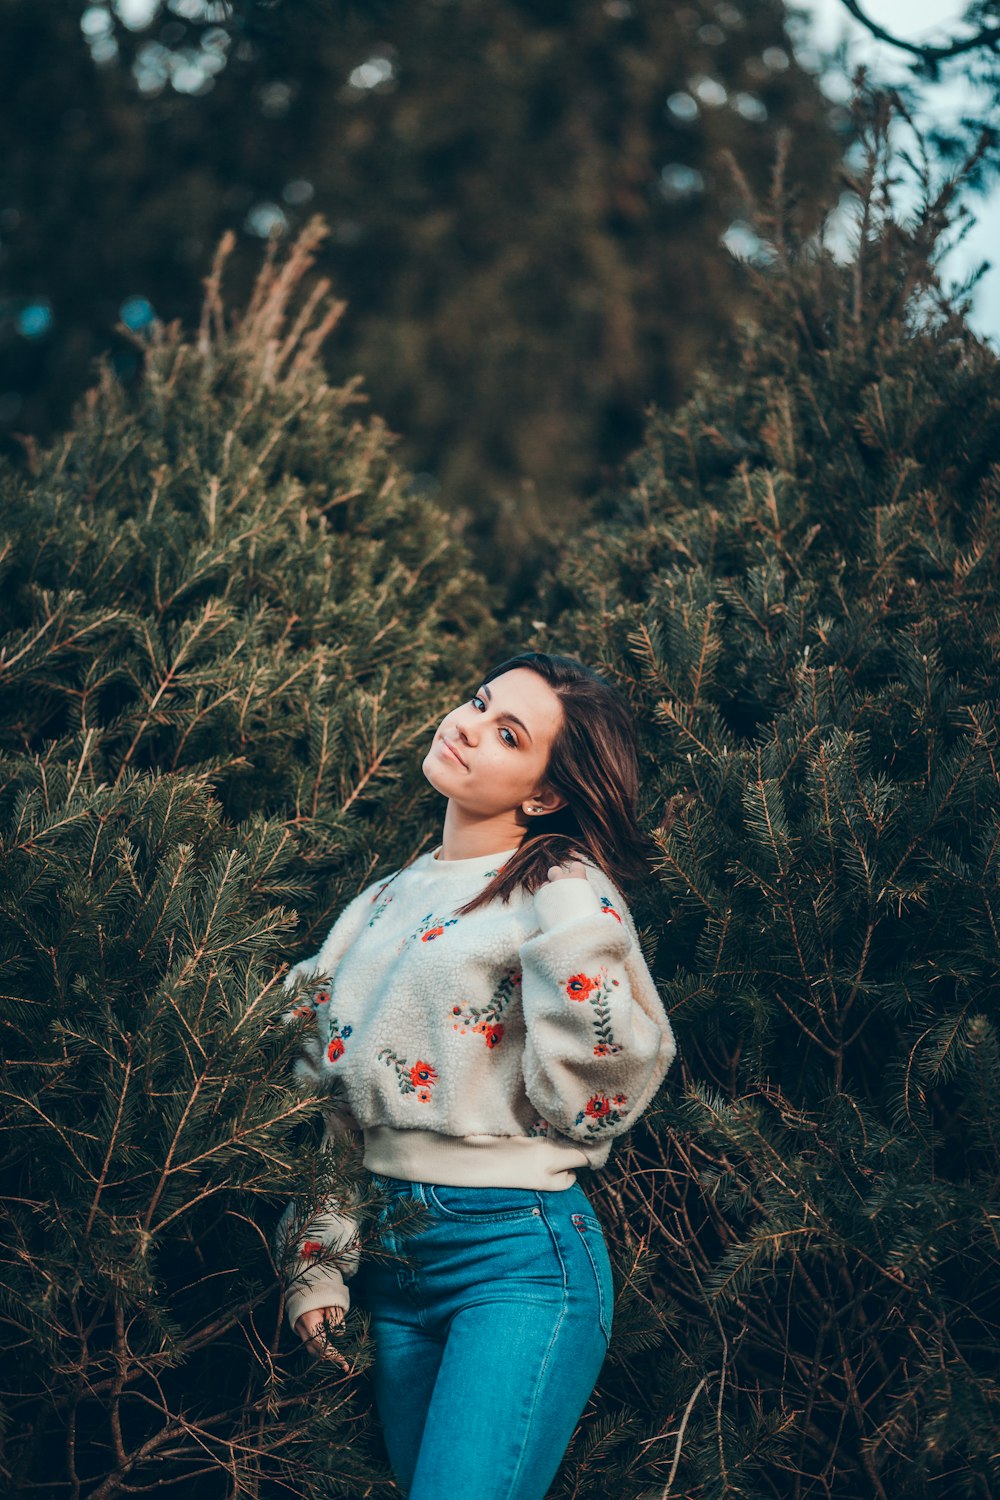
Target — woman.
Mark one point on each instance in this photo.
(487, 1018)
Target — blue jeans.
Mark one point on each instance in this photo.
(489, 1334)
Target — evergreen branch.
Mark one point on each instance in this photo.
(237, 1136)
(62, 1133)
(678, 1446)
(112, 1142)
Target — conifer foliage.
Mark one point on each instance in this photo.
(227, 628)
(227, 631)
(797, 586)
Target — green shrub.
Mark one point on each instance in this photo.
(228, 632)
(798, 586)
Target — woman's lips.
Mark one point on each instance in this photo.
(452, 755)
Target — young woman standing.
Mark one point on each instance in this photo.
(486, 1017)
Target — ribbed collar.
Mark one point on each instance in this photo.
(464, 868)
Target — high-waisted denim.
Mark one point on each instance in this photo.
(489, 1334)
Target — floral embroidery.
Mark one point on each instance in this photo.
(320, 995)
(607, 907)
(597, 990)
(600, 1111)
(579, 986)
(485, 1019)
(381, 904)
(538, 1126)
(430, 928)
(311, 1247)
(418, 1079)
(338, 1036)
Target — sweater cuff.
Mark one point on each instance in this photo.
(559, 901)
(320, 1286)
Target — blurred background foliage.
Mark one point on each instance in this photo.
(528, 205)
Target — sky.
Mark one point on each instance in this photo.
(826, 23)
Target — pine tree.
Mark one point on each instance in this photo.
(228, 630)
(796, 583)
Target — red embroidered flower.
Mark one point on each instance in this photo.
(424, 1095)
(494, 1034)
(579, 986)
(620, 1099)
(321, 997)
(335, 1049)
(302, 1010)
(602, 1049)
(310, 1247)
(433, 932)
(598, 1106)
(422, 1072)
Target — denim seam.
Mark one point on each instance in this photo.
(510, 1215)
(552, 1342)
(604, 1312)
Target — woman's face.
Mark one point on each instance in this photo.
(504, 737)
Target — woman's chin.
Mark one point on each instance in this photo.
(432, 774)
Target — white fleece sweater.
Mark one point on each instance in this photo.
(501, 1049)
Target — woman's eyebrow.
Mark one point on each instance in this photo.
(512, 717)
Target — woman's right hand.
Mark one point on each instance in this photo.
(317, 1339)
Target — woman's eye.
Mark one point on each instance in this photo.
(504, 729)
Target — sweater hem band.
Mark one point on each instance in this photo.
(521, 1161)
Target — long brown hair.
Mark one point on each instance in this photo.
(595, 766)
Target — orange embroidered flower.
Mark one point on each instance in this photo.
(335, 1049)
(493, 1034)
(422, 1072)
(424, 1095)
(620, 1099)
(321, 997)
(303, 1010)
(579, 986)
(310, 1247)
(432, 932)
(598, 1106)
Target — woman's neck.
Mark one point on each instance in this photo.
(476, 841)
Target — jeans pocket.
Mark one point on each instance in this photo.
(592, 1237)
(483, 1205)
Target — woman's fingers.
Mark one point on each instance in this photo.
(574, 869)
(315, 1329)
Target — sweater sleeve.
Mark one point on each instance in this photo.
(326, 1253)
(598, 1041)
